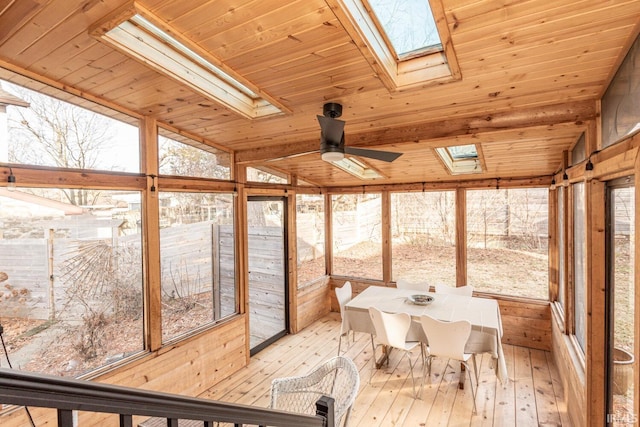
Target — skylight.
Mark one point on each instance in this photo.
(406, 42)
(357, 168)
(458, 152)
(141, 35)
(460, 159)
(408, 24)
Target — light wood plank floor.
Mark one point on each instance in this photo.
(531, 398)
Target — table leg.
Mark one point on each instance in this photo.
(462, 377)
(386, 351)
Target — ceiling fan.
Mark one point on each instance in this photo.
(332, 146)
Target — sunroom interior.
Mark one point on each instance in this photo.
(186, 183)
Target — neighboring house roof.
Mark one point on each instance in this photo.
(67, 208)
(8, 99)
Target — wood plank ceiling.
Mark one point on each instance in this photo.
(531, 72)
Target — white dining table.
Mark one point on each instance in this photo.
(484, 315)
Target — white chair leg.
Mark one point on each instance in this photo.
(475, 368)
(413, 381)
(340, 342)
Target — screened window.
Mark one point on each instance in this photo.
(561, 248)
(310, 237)
(507, 241)
(266, 175)
(620, 106)
(178, 155)
(196, 259)
(357, 235)
(579, 265)
(579, 151)
(623, 330)
(71, 283)
(55, 133)
(423, 237)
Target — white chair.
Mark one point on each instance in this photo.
(391, 331)
(448, 339)
(344, 295)
(415, 286)
(337, 377)
(466, 290)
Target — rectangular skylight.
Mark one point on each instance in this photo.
(143, 36)
(408, 24)
(458, 152)
(407, 43)
(460, 159)
(357, 168)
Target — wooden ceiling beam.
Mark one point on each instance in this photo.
(576, 112)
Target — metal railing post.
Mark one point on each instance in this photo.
(325, 407)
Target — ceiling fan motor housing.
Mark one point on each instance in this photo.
(327, 146)
(332, 109)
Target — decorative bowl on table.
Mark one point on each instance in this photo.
(420, 299)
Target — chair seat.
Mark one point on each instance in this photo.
(410, 345)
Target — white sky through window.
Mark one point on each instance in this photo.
(409, 24)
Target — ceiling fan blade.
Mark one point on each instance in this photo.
(385, 156)
(332, 129)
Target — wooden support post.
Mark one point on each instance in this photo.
(151, 236)
(292, 260)
(387, 264)
(328, 234)
(596, 333)
(461, 237)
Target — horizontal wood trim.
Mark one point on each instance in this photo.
(576, 112)
(48, 177)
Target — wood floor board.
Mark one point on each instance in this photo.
(532, 396)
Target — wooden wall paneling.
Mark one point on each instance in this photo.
(151, 233)
(314, 302)
(596, 360)
(387, 264)
(526, 324)
(461, 237)
(292, 261)
(571, 372)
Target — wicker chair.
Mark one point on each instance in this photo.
(337, 377)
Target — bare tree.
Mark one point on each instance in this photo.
(176, 158)
(55, 133)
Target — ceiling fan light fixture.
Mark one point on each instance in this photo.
(332, 156)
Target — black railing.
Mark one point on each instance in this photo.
(67, 395)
